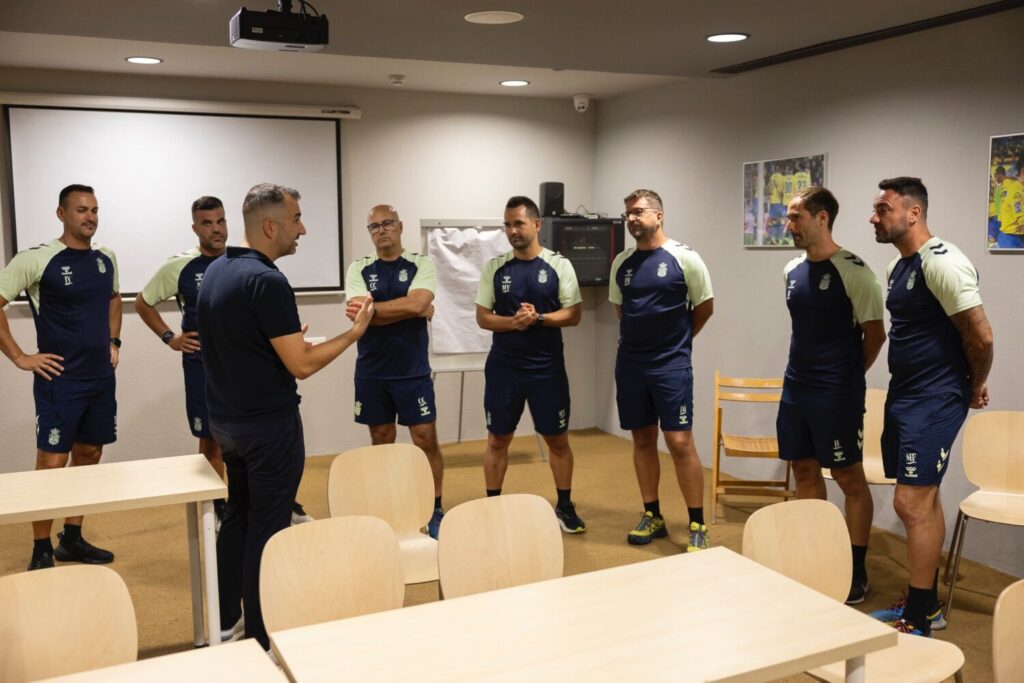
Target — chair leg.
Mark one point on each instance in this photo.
(958, 677)
(956, 565)
(714, 487)
(952, 547)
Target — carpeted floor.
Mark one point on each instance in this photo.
(153, 558)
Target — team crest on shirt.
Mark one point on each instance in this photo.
(826, 280)
(54, 438)
(542, 276)
(357, 408)
(100, 265)
(372, 284)
(662, 269)
(506, 283)
(403, 275)
(424, 408)
(65, 272)
(629, 277)
(197, 424)
(911, 280)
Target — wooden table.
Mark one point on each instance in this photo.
(241, 661)
(112, 487)
(707, 616)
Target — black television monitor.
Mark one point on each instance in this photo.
(590, 244)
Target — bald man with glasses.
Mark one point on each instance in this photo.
(392, 378)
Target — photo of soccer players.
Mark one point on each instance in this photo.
(767, 188)
(1006, 193)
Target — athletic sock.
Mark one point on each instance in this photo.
(40, 546)
(493, 492)
(696, 515)
(860, 572)
(919, 601)
(72, 532)
(654, 507)
(437, 502)
(564, 497)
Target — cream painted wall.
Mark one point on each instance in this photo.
(431, 156)
(920, 105)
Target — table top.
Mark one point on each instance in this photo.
(458, 362)
(712, 615)
(244, 660)
(106, 487)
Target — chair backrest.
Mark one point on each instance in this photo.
(330, 569)
(994, 450)
(64, 620)
(874, 417)
(497, 542)
(1007, 634)
(806, 540)
(744, 390)
(389, 481)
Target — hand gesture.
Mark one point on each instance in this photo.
(979, 398)
(363, 317)
(352, 308)
(46, 365)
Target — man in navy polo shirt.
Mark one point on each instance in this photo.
(253, 350)
(835, 303)
(392, 378)
(662, 294)
(72, 288)
(940, 354)
(525, 297)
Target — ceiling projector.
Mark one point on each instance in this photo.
(279, 31)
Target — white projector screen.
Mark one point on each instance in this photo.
(148, 167)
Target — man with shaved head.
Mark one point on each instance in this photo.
(392, 378)
(253, 351)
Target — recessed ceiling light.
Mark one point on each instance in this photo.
(515, 84)
(727, 37)
(143, 60)
(494, 17)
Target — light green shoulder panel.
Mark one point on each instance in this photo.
(698, 279)
(24, 271)
(164, 284)
(614, 293)
(109, 253)
(568, 286)
(354, 284)
(426, 273)
(485, 292)
(862, 287)
(950, 276)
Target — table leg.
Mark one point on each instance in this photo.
(462, 390)
(192, 524)
(210, 573)
(855, 669)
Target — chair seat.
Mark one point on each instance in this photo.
(874, 472)
(1005, 508)
(751, 446)
(913, 660)
(419, 557)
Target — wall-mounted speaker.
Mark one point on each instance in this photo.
(552, 199)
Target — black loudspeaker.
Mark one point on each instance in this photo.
(552, 199)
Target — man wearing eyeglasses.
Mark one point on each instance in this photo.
(392, 376)
(525, 297)
(662, 294)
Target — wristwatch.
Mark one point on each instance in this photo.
(540, 319)
(115, 341)
(167, 336)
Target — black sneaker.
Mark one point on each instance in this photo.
(41, 560)
(81, 551)
(859, 588)
(299, 515)
(569, 520)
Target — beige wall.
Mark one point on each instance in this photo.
(431, 156)
(921, 105)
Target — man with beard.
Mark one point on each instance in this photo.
(940, 354)
(525, 297)
(662, 294)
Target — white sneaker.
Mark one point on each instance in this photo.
(299, 515)
(236, 632)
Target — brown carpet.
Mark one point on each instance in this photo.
(153, 557)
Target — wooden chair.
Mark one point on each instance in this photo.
(392, 482)
(1007, 633)
(498, 542)
(874, 419)
(64, 620)
(745, 446)
(807, 541)
(993, 455)
(330, 569)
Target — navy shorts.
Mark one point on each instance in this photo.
(647, 396)
(195, 399)
(918, 435)
(70, 411)
(507, 389)
(379, 401)
(826, 427)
